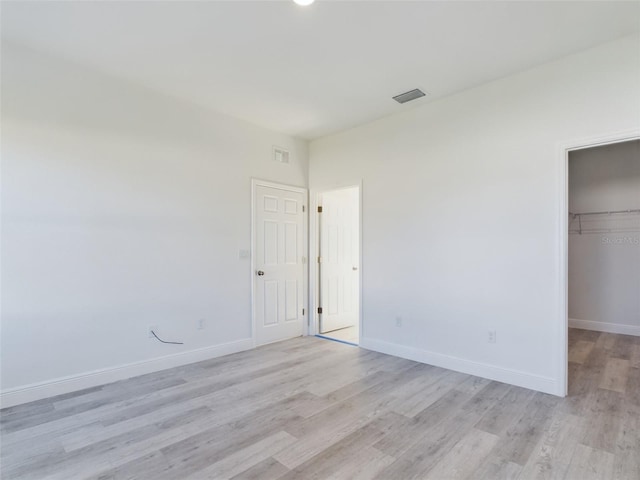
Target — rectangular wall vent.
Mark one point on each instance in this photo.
(408, 96)
(281, 155)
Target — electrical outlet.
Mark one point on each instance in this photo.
(491, 337)
(398, 321)
(201, 324)
(152, 328)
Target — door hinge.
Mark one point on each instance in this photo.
(319, 209)
(303, 311)
(320, 310)
(319, 259)
(304, 209)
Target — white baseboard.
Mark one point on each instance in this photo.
(58, 386)
(484, 370)
(605, 327)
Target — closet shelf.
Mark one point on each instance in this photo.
(613, 212)
(614, 221)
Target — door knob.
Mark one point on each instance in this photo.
(354, 268)
(260, 273)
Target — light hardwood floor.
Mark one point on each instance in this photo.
(315, 409)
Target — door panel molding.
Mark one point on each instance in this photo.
(286, 304)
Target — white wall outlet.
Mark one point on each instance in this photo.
(491, 336)
(152, 328)
(201, 324)
(398, 321)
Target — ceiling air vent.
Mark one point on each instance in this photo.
(408, 96)
(280, 155)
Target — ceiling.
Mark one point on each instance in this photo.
(312, 71)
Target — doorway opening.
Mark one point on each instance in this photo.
(602, 258)
(338, 266)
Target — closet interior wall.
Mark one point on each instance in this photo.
(604, 238)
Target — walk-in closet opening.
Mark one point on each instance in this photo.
(603, 254)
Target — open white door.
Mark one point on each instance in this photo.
(340, 257)
(279, 257)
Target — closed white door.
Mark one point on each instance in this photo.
(339, 252)
(279, 254)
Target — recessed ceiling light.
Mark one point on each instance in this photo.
(304, 3)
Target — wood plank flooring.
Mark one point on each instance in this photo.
(315, 409)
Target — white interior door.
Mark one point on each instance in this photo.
(340, 257)
(279, 253)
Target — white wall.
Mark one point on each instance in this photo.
(121, 208)
(461, 206)
(604, 262)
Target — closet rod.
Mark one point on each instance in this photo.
(636, 210)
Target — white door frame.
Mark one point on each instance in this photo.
(255, 183)
(562, 335)
(314, 232)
